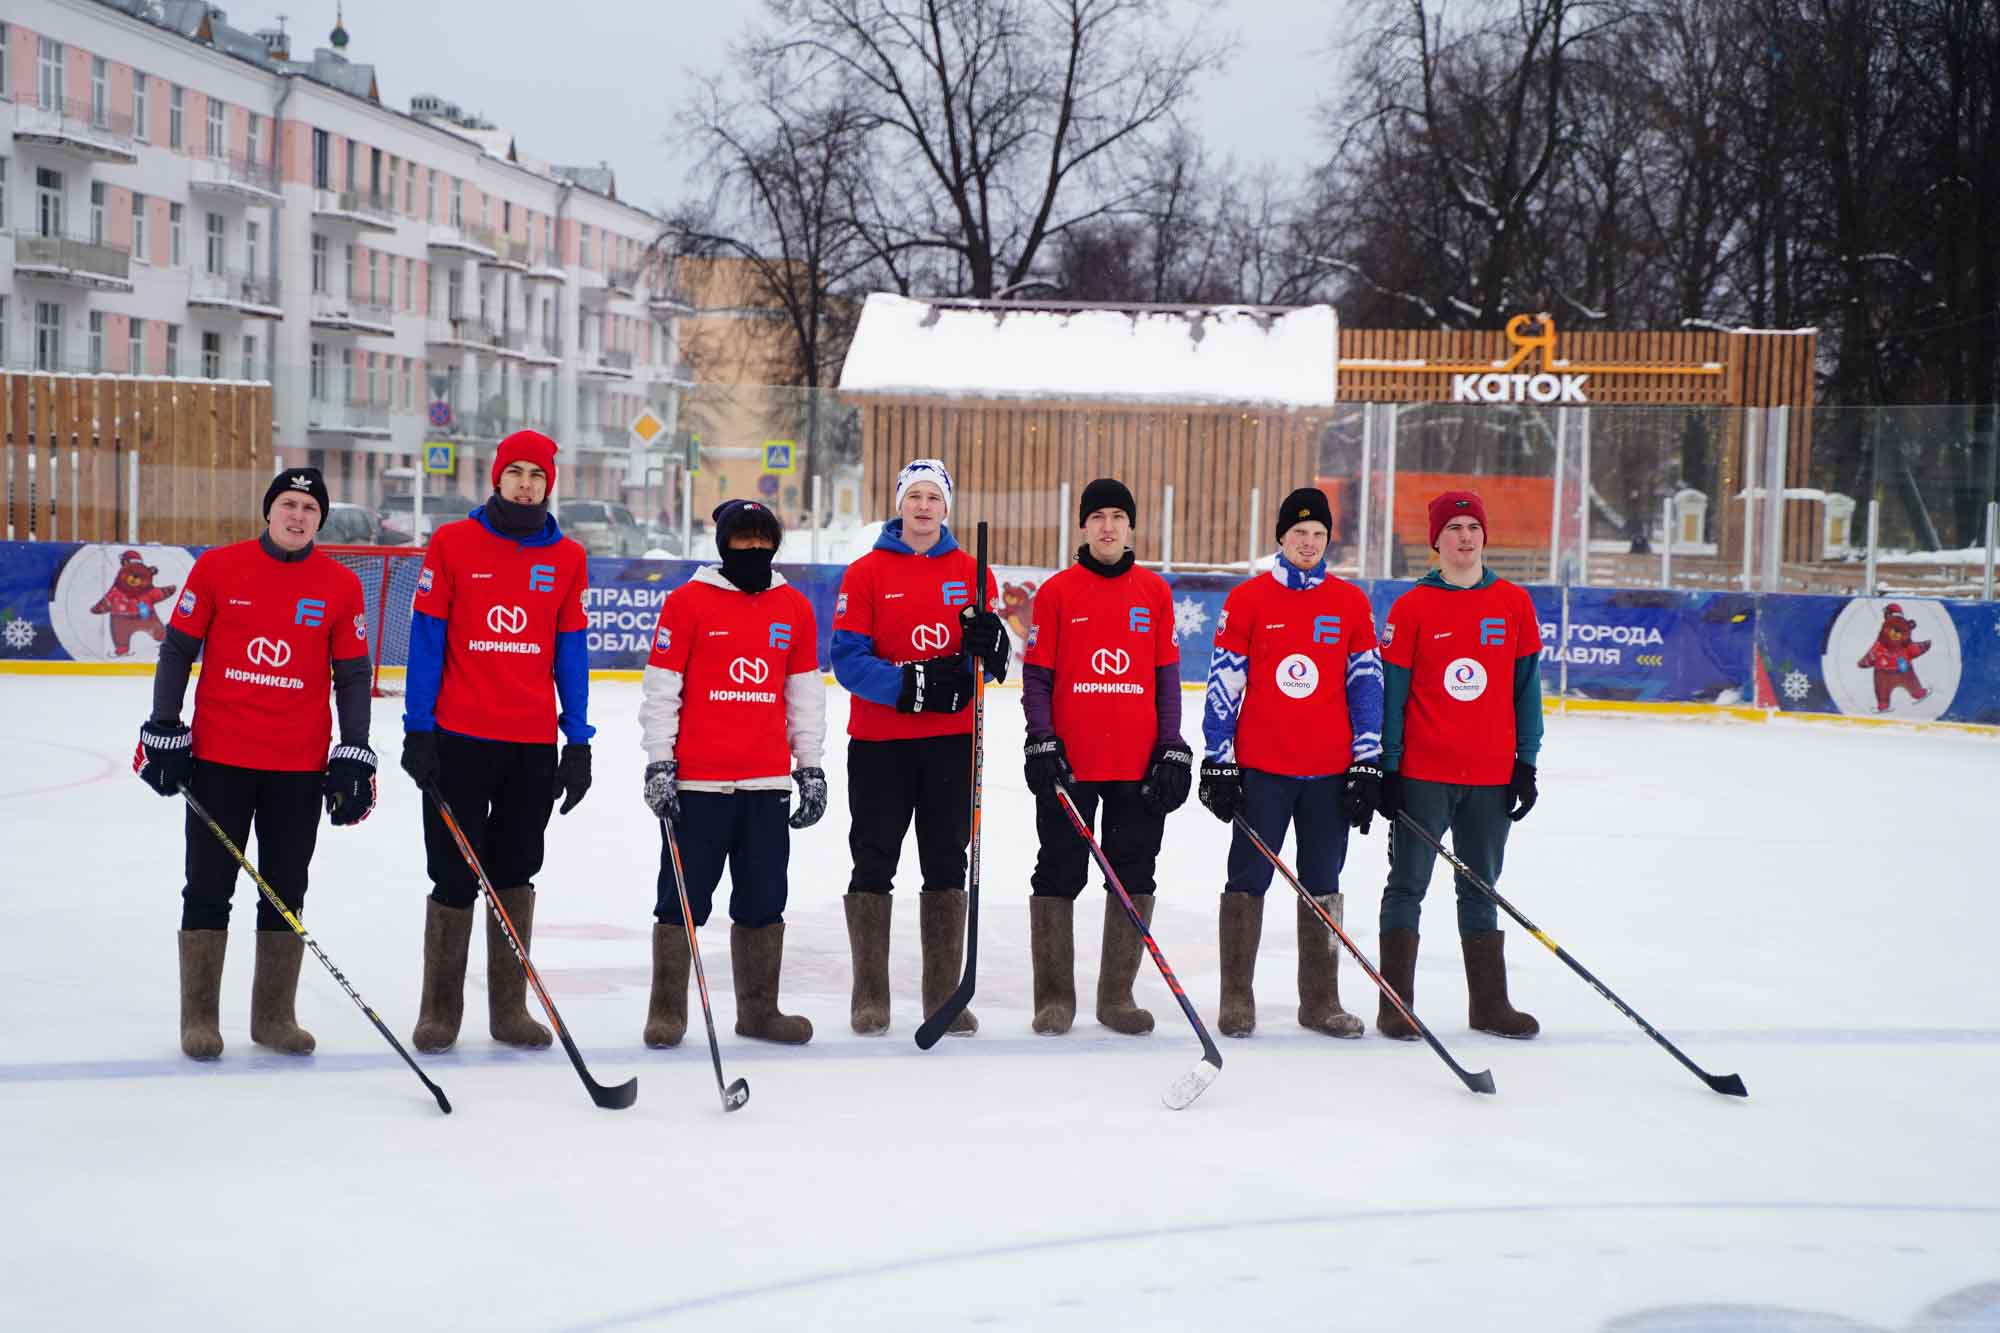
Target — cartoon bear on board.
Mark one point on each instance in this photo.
(130, 603)
(1891, 657)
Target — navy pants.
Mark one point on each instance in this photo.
(285, 809)
(1130, 836)
(1271, 802)
(747, 829)
(502, 793)
(1477, 818)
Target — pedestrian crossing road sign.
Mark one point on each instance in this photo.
(440, 458)
(778, 456)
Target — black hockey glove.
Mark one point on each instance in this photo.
(1521, 793)
(1361, 794)
(420, 758)
(1390, 803)
(1221, 789)
(935, 685)
(164, 756)
(984, 635)
(349, 784)
(1168, 777)
(663, 790)
(812, 797)
(573, 774)
(1048, 764)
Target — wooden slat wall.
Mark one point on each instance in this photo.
(205, 454)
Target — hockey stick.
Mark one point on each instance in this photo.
(612, 1099)
(737, 1093)
(1479, 1082)
(934, 1027)
(1183, 1090)
(278, 904)
(1729, 1085)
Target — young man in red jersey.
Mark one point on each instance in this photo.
(1293, 727)
(271, 619)
(1461, 729)
(496, 639)
(734, 714)
(907, 633)
(1102, 693)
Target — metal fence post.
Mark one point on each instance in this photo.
(1751, 443)
(1874, 533)
(818, 493)
(1062, 517)
(1667, 542)
(1256, 521)
(1389, 493)
(1777, 420)
(1992, 536)
(1167, 528)
(1361, 533)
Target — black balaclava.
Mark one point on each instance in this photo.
(749, 568)
(516, 520)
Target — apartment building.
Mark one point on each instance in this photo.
(179, 197)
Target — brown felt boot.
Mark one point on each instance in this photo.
(1052, 949)
(201, 992)
(1487, 1007)
(1319, 971)
(506, 982)
(274, 990)
(1399, 969)
(754, 958)
(1118, 965)
(1241, 927)
(441, 1008)
(941, 927)
(868, 941)
(667, 1011)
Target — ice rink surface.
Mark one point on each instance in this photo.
(1812, 907)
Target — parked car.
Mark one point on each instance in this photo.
(601, 527)
(398, 514)
(357, 525)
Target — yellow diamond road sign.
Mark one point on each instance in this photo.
(646, 425)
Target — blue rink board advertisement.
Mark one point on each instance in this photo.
(1914, 659)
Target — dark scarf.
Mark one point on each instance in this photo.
(748, 568)
(1104, 571)
(279, 553)
(516, 520)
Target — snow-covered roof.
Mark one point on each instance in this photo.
(1136, 354)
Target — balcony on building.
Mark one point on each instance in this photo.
(505, 252)
(76, 127)
(614, 364)
(235, 177)
(597, 290)
(513, 344)
(345, 314)
(357, 208)
(451, 240)
(543, 266)
(351, 420)
(72, 260)
(252, 294)
(538, 350)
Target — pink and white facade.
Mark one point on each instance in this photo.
(170, 208)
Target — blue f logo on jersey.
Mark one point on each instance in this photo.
(781, 636)
(1326, 629)
(309, 612)
(541, 578)
(1139, 620)
(1492, 632)
(956, 594)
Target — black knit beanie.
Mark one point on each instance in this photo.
(306, 479)
(1307, 504)
(1107, 493)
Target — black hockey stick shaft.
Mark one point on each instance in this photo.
(733, 1094)
(1208, 1051)
(298, 928)
(613, 1099)
(1479, 1082)
(1729, 1085)
(935, 1026)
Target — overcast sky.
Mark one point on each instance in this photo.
(600, 79)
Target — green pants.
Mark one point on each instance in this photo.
(1477, 818)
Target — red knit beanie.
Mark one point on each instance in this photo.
(1456, 504)
(526, 446)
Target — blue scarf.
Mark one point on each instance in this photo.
(1291, 576)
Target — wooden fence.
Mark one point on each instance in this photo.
(113, 458)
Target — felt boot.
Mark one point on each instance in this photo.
(506, 981)
(1052, 948)
(1319, 971)
(941, 927)
(1118, 966)
(440, 1010)
(1399, 969)
(1241, 927)
(868, 941)
(201, 992)
(754, 958)
(273, 992)
(667, 1011)
(1487, 1007)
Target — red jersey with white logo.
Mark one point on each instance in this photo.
(909, 606)
(503, 604)
(734, 650)
(270, 633)
(1294, 718)
(1460, 646)
(1104, 639)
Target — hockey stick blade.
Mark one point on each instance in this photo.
(938, 1023)
(738, 1092)
(735, 1095)
(611, 1099)
(1180, 1094)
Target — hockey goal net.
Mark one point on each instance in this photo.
(389, 584)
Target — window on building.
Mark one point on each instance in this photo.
(97, 212)
(140, 251)
(48, 202)
(211, 356)
(353, 181)
(212, 257)
(395, 172)
(316, 373)
(322, 160)
(100, 92)
(347, 383)
(375, 176)
(48, 336)
(96, 341)
(319, 262)
(135, 346)
(6, 59)
(172, 369)
(139, 130)
(454, 292)
(409, 383)
(215, 133)
(3, 181)
(381, 281)
(253, 232)
(457, 203)
(49, 59)
(249, 358)
(177, 234)
(374, 379)
(409, 284)
(410, 189)
(253, 142)
(583, 245)
(349, 290)
(176, 116)
(430, 196)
